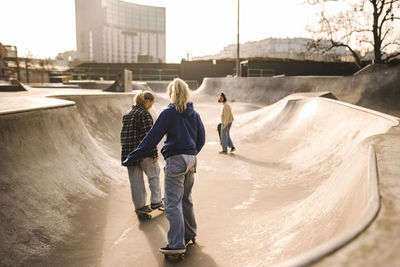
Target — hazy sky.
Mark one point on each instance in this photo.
(198, 27)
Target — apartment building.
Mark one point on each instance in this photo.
(114, 31)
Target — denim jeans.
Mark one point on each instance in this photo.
(179, 178)
(138, 189)
(225, 137)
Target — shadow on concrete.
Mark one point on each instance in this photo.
(260, 163)
(156, 230)
(83, 245)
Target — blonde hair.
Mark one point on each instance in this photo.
(140, 99)
(178, 91)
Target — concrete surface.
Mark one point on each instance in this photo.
(377, 89)
(314, 181)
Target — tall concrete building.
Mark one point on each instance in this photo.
(114, 31)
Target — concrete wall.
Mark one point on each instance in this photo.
(378, 89)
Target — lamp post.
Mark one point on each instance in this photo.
(237, 47)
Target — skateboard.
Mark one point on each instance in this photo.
(149, 215)
(219, 131)
(179, 256)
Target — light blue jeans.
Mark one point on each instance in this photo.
(179, 178)
(138, 189)
(226, 137)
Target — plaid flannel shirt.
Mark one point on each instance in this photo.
(135, 126)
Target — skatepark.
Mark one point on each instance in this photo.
(314, 180)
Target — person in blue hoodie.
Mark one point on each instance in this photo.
(185, 137)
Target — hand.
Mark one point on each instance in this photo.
(225, 128)
(155, 160)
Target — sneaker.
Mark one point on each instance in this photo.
(223, 152)
(233, 149)
(168, 250)
(187, 240)
(144, 209)
(157, 205)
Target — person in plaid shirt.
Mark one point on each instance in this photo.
(185, 137)
(135, 125)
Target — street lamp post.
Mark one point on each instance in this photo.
(237, 47)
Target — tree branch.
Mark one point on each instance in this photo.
(386, 33)
(377, 8)
(387, 59)
(388, 11)
(389, 44)
(354, 53)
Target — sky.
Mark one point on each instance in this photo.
(44, 28)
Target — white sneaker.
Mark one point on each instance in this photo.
(168, 250)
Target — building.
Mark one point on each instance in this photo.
(283, 48)
(67, 56)
(9, 65)
(3, 54)
(114, 31)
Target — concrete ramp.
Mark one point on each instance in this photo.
(323, 148)
(50, 165)
(376, 89)
(302, 184)
(102, 115)
(14, 86)
(266, 90)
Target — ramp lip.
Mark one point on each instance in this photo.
(105, 94)
(41, 107)
(343, 239)
(61, 102)
(367, 110)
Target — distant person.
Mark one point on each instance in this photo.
(135, 125)
(185, 134)
(226, 123)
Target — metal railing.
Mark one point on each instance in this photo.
(260, 72)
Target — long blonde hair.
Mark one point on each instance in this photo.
(178, 91)
(140, 99)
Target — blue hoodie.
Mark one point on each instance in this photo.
(185, 134)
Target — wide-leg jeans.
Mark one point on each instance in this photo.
(138, 189)
(226, 137)
(179, 179)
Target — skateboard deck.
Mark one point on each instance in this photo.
(179, 256)
(219, 130)
(149, 215)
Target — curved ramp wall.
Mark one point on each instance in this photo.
(353, 207)
(49, 169)
(369, 89)
(264, 90)
(325, 146)
(49, 164)
(102, 116)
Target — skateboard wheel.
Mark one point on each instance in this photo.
(144, 216)
(166, 256)
(181, 257)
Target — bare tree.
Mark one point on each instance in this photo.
(358, 25)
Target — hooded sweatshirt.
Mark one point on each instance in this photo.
(185, 134)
